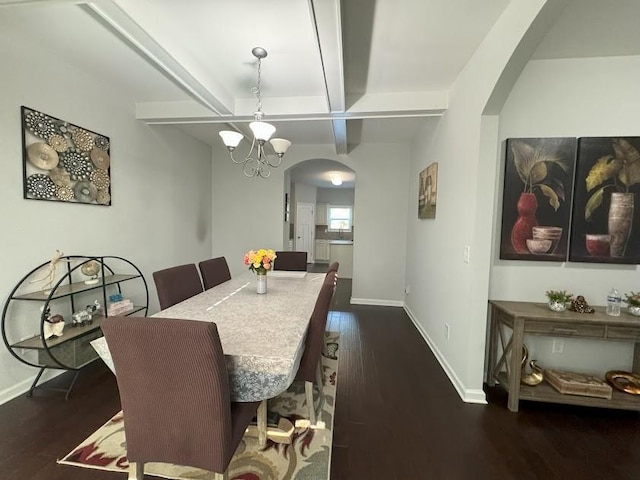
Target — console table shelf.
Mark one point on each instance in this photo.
(71, 350)
(536, 319)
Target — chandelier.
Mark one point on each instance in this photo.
(260, 164)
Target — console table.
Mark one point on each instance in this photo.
(536, 319)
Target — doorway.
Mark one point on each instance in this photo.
(305, 229)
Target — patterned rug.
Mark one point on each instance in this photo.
(307, 457)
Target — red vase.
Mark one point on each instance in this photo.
(522, 229)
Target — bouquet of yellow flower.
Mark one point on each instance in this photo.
(259, 260)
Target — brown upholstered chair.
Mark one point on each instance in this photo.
(291, 261)
(214, 272)
(176, 284)
(174, 389)
(310, 364)
(333, 267)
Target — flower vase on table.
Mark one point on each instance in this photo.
(260, 261)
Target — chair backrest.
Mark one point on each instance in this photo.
(174, 390)
(333, 267)
(291, 261)
(214, 272)
(315, 333)
(176, 284)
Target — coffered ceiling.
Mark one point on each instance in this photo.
(338, 72)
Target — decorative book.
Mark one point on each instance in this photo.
(572, 383)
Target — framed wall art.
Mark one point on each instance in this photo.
(428, 191)
(606, 209)
(536, 206)
(63, 162)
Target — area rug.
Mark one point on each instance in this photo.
(307, 457)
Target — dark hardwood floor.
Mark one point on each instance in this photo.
(397, 417)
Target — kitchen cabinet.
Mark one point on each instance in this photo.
(322, 214)
(322, 251)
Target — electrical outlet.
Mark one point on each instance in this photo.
(467, 254)
(558, 346)
(446, 330)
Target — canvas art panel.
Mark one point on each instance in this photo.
(427, 191)
(606, 211)
(536, 206)
(63, 162)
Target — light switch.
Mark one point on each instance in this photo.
(467, 254)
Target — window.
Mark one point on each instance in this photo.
(340, 218)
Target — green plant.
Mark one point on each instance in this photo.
(616, 173)
(632, 299)
(532, 165)
(561, 296)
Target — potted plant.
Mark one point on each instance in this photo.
(558, 299)
(615, 173)
(633, 303)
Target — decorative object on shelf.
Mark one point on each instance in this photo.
(580, 305)
(91, 270)
(85, 317)
(633, 303)
(50, 277)
(260, 261)
(538, 184)
(624, 381)
(572, 383)
(261, 165)
(607, 185)
(58, 154)
(558, 299)
(53, 325)
(536, 376)
(427, 191)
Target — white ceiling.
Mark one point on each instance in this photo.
(338, 72)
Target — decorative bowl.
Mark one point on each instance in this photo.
(548, 233)
(538, 246)
(597, 245)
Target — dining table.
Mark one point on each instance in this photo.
(262, 335)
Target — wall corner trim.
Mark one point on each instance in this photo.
(376, 302)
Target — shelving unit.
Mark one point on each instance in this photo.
(72, 350)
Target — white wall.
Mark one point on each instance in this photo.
(248, 214)
(161, 211)
(444, 289)
(336, 196)
(573, 98)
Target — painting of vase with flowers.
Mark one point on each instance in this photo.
(606, 214)
(536, 206)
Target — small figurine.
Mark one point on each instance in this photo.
(580, 305)
(53, 324)
(91, 310)
(80, 318)
(51, 273)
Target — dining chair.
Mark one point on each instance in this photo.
(291, 261)
(176, 284)
(214, 272)
(333, 267)
(174, 390)
(311, 364)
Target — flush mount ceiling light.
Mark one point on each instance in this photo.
(261, 164)
(336, 179)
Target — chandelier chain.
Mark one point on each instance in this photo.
(257, 90)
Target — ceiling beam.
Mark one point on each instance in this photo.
(339, 127)
(119, 21)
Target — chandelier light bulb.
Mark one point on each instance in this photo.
(262, 130)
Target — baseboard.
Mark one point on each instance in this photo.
(376, 302)
(468, 395)
(18, 389)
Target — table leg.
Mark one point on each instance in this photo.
(493, 348)
(262, 423)
(515, 361)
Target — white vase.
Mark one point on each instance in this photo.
(261, 283)
(557, 306)
(634, 310)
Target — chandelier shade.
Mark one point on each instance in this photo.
(258, 165)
